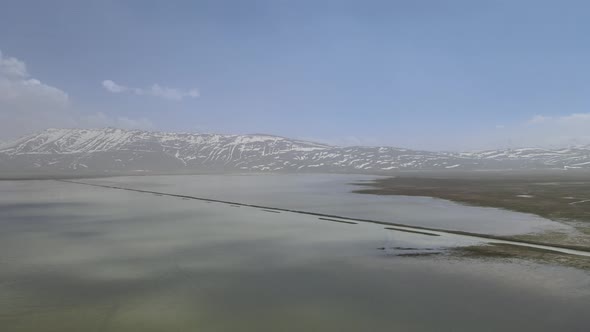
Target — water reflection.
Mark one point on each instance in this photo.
(331, 194)
(76, 258)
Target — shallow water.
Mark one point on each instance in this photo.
(332, 194)
(79, 258)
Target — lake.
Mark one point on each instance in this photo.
(82, 258)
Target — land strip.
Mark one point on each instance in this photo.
(551, 197)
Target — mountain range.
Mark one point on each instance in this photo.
(118, 151)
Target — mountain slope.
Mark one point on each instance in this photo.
(123, 151)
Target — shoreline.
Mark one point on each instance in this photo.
(560, 199)
(562, 248)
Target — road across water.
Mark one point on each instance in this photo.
(564, 249)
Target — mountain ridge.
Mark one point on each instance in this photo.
(111, 150)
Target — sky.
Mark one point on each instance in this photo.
(435, 75)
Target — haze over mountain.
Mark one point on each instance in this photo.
(118, 151)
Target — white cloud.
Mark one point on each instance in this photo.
(538, 119)
(572, 129)
(12, 68)
(155, 90)
(17, 86)
(540, 131)
(102, 120)
(344, 140)
(576, 118)
(28, 105)
(113, 87)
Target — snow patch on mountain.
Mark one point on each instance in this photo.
(117, 150)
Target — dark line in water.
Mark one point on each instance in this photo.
(415, 249)
(273, 211)
(408, 231)
(342, 221)
(210, 200)
(234, 205)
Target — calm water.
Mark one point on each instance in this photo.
(78, 258)
(331, 194)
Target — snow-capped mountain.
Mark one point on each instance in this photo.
(125, 151)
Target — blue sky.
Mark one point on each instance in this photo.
(420, 74)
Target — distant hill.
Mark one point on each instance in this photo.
(109, 150)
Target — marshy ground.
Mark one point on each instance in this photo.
(560, 197)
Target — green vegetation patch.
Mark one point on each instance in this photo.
(551, 197)
(560, 197)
